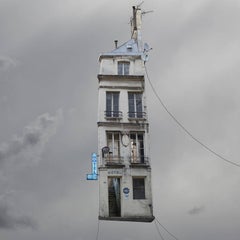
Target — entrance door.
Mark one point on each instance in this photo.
(114, 197)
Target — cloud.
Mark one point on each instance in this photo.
(8, 221)
(196, 210)
(34, 137)
(6, 63)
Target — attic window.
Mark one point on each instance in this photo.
(123, 68)
(129, 47)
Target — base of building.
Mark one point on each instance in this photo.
(128, 219)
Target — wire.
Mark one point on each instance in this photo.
(166, 229)
(158, 231)
(98, 230)
(184, 129)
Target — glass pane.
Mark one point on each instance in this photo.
(131, 108)
(141, 147)
(108, 104)
(115, 104)
(126, 68)
(109, 142)
(139, 105)
(138, 188)
(120, 68)
(116, 150)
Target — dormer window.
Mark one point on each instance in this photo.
(123, 68)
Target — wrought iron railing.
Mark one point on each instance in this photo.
(138, 115)
(113, 160)
(113, 114)
(139, 160)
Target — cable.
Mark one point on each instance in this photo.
(166, 229)
(158, 231)
(98, 230)
(184, 129)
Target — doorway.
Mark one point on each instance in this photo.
(114, 197)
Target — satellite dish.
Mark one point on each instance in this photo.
(146, 47)
(105, 149)
(144, 57)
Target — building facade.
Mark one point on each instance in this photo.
(123, 132)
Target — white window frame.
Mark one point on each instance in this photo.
(112, 104)
(135, 105)
(123, 68)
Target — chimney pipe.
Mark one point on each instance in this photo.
(116, 43)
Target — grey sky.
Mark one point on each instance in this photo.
(49, 53)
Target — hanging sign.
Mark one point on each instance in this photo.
(94, 163)
(94, 174)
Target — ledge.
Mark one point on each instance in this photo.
(120, 77)
(128, 219)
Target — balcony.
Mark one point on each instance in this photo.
(114, 161)
(113, 115)
(137, 116)
(139, 161)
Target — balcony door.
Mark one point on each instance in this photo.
(137, 147)
(112, 104)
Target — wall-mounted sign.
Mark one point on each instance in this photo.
(92, 177)
(94, 174)
(94, 163)
(126, 190)
(115, 172)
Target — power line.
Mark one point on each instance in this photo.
(97, 230)
(184, 129)
(158, 230)
(166, 229)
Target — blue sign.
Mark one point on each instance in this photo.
(92, 177)
(126, 190)
(94, 163)
(94, 174)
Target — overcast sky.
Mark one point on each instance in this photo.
(49, 53)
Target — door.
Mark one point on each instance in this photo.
(114, 197)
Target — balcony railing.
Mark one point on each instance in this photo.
(113, 114)
(113, 160)
(137, 115)
(139, 160)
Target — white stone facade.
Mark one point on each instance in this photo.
(123, 137)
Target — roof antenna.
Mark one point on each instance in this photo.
(145, 12)
(140, 4)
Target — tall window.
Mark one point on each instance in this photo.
(135, 105)
(112, 104)
(123, 68)
(113, 142)
(137, 147)
(139, 188)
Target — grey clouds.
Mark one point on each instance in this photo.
(49, 61)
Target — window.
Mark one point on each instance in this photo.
(137, 148)
(139, 188)
(113, 142)
(135, 105)
(112, 104)
(123, 68)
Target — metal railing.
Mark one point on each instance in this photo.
(113, 114)
(139, 160)
(137, 115)
(113, 160)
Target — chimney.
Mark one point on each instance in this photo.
(116, 43)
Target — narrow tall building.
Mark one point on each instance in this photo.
(125, 192)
